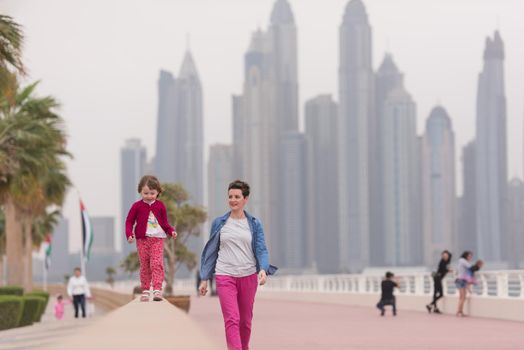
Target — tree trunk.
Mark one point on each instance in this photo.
(1, 269)
(14, 244)
(170, 275)
(28, 254)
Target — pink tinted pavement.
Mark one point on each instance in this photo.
(283, 325)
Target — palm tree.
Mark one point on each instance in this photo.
(32, 177)
(11, 42)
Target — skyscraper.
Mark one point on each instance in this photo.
(387, 79)
(356, 108)
(401, 190)
(438, 186)
(254, 130)
(166, 151)
(180, 132)
(189, 167)
(264, 113)
(293, 201)
(219, 175)
(132, 167)
(321, 137)
(467, 234)
(491, 154)
(515, 255)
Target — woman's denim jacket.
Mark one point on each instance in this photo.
(210, 254)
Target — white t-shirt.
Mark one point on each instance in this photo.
(78, 286)
(235, 255)
(153, 228)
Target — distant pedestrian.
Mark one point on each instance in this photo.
(461, 282)
(60, 307)
(388, 298)
(438, 276)
(78, 290)
(236, 252)
(147, 223)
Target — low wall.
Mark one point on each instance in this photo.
(138, 326)
(498, 308)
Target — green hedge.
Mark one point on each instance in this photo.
(10, 311)
(32, 306)
(43, 306)
(11, 290)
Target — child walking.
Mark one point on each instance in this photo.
(387, 298)
(59, 307)
(147, 224)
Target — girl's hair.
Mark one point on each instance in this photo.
(239, 185)
(150, 181)
(465, 254)
(389, 274)
(59, 297)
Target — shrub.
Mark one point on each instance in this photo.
(11, 290)
(32, 305)
(10, 311)
(43, 306)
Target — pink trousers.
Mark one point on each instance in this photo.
(151, 255)
(237, 296)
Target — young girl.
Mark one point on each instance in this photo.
(59, 307)
(147, 223)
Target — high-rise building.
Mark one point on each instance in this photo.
(293, 200)
(189, 167)
(387, 79)
(59, 264)
(263, 114)
(491, 155)
(356, 108)
(401, 190)
(515, 255)
(219, 175)
(321, 137)
(167, 131)
(103, 252)
(254, 131)
(438, 186)
(132, 168)
(104, 235)
(467, 233)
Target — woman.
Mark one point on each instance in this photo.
(78, 290)
(442, 270)
(464, 266)
(236, 253)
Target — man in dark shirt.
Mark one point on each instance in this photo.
(387, 298)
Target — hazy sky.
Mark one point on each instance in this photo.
(101, 59)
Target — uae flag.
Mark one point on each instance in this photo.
(47, 251)
(87, 232)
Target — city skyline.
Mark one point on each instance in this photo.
(515, 113)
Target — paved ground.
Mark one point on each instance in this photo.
(281, 325)
(47, 331)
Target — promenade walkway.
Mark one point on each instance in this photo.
(288, 325)
(278, 325)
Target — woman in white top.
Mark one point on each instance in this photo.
(464, 265)
(237, 254)
(78, 290)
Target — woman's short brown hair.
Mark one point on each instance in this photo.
(239, 185)
(150, 181)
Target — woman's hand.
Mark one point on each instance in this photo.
(262, 277)
(131, 239)
(174, 234)
(203, 288)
